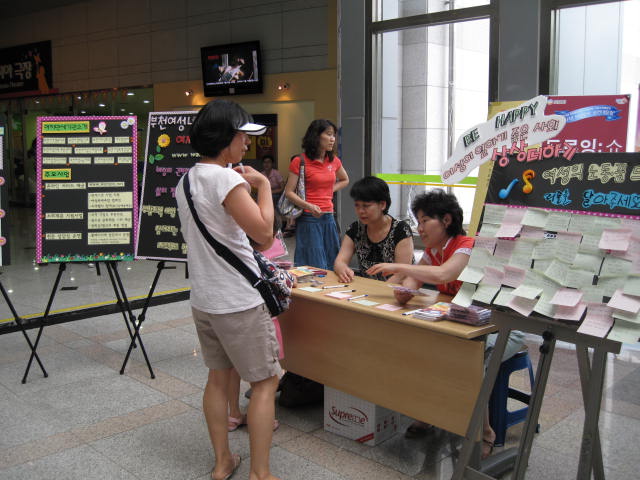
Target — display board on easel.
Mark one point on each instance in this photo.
(86, 201)
(4, 225)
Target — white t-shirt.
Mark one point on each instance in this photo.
(216, 286)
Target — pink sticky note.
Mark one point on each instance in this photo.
(493, 276)
(504, 248)
(628, 303)
(598, 321)
(532, 232)
(388, 306)
(338, 295)
(570, 313)
(567, 297)
(523, 306)
(513, 276)
(487, 243)
(508, 230)
(514, 215)
(615, 239)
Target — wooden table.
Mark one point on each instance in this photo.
(430, 371)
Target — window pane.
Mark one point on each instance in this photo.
(426, 95)
(390, 9)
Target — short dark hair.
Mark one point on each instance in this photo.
(311, 139)
(215, 126)
(270, 157)
(437, 203)
(371, 189)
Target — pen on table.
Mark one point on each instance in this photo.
(346, 291)
(357, 296)
(334, 286)
(412, 311)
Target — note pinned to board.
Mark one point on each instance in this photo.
(567, 297)
(615, 239)
(621, 301)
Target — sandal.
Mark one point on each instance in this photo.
(235, 423)
(417, 429)
(487, 448)
(236, 464)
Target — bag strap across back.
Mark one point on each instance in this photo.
(219, 248)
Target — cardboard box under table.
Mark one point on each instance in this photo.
(430, 371)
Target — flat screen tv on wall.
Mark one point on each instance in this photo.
(233, 69)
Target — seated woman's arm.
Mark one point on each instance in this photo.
(403, 254)
(341, 264)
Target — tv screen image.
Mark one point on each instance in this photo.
(232, 69)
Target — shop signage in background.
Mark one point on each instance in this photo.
(86, 201)
(595, 123)
(509, 132)
(264, 144)
(4, 225)
(168, 156)
(26, 70)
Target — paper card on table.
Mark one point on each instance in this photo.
(493, 214)
(573, 314)
(588, 261)
(487, 243)
(589, 243)
(485, 293)
(597, 322)
(508, 230)
(615, 267)
(543, 307)
(489, 230)
(535, 217)
(338, 295)
(557, 222)
(524, 306)
(493, 276)
(366, 303)
(504, 248)
(567, 297)
(479, 257)
(624, 332)
(504, 297)
(527, 291)
(557, 271)
(578, 278)
(514, 215)
(389, 307)
(471, 274)
(464, 295)
(532, 233)
(626, 316)
(608, 285)
(628, 303)
(591, 294)
(632, 286)
(513, 276)
(615, 239)
(310, 289)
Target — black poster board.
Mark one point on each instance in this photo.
(601, 183)
(26, 69)
(4, 224)
(86, 202)
(168, 156)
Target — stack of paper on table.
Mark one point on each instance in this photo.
(473, 315)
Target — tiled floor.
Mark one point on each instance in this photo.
(86, 421)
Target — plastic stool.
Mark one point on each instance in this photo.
(499, 417)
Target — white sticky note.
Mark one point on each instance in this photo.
(567, 297)
(513, 276)
(573, 314)
(504, 297)
(590, 262)
(464, 295)
(608, 285)
(479, 257)
(527, 291)
(615, 267)
(628, 303)
(493, 214)
(471, 274)
(624, 332)
(366, 303)
(557, 222)
(489, 229)
(578, 278)
(389, 307)
(485, 293)
(524, 306)
(508, 230)
(615, 239)
(557, 271)
(543, 307)
(632, 286)
(310, 289)
(532, 233)
(535, 217)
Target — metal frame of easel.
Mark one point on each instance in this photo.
(141, 317)
(121, 301)
(591, 377)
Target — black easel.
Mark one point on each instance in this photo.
(18, 321)
(142, 316)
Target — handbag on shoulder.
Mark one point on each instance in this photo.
(286, 207)
(273, 284)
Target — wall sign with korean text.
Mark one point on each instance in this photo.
(86, 203)
(4, 225)
(26, 70)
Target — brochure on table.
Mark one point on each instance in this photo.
(86, 199)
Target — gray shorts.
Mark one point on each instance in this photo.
(245, 340)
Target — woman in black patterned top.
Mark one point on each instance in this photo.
(376, 237)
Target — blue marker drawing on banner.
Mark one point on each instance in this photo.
(559, 197)
(609, 112)
(504, 192)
